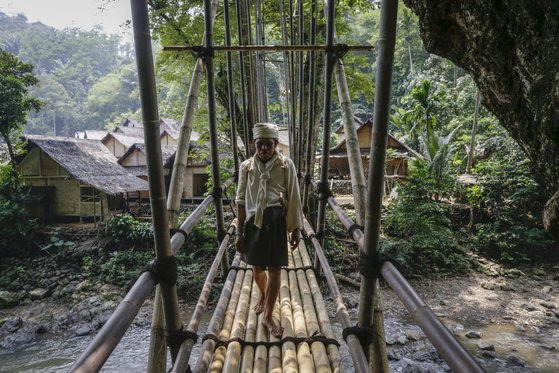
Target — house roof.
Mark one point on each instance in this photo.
(94, 134)
(169, 126)
(125, 140)
(90, 162)
(338, 146)
(167, 152)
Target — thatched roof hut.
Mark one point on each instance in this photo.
(88, 161)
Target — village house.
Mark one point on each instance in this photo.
(195, 178)
(397, 155)
(74, 179)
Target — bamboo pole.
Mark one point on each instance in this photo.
(99, 350)
(232, 105)
(359, 359)
(268, 48)
(303, 259)
(293, 154)
(150, 114)
(309, 165)
(176, 186)
(218, 203)
(250, 336)
(289, 354)
(319, 354)
(300, 132)
(261, 352)
(274, 353)
(321, 219)
(233, 351)
(181, 363)
(304, 358)
(287, 73)
(230, 288)
(369, 286)
(246, 139)
(227, 326)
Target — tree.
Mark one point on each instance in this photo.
(510, 48)
(15, 79)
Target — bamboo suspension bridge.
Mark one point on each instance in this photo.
(235, 339)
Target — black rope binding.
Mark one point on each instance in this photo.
(370, 266)
(203, 52)
(308, 179)
(324, 191)
(217, 192)
(353, 228)
(296, 340)
(164, 270)
(178, 230)
(177, 337)
(364, 334)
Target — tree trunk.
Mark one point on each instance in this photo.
(473, 140)
(510, 48)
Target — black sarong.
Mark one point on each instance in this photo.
(267, 246)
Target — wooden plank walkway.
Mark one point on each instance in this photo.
(300, 310)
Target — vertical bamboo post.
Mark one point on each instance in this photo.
(309, 167)
(246, 132)
(321, 219)
(220, 225)
(148, 97)
(287, 74)
(293, 154)
(176, 186)
(301, 132)
(232, 105)
(369, 286)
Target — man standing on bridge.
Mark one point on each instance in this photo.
(268, 200)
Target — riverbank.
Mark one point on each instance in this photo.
(507, 318)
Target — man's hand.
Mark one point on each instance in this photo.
(240, 243)
(295, 239)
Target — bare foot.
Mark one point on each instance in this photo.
(273, 328)
(259, 306)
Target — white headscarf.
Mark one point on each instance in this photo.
(265, 131)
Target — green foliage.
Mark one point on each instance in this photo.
(16, 77)
(508, 205)
(128, 232)
(56, 242)
(418, 228)
(17, 228)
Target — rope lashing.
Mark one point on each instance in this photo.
(353, 228)
(363, 333)
(177, 337)
(324, 191)
(178, 230)
(308, 179)
(370, 266)
(338, 50)
(203, 52)
(163, 269)
(288, 269)
(217, 192)
(296, 340)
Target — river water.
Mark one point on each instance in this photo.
(57, 354)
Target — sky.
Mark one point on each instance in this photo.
(74, 13)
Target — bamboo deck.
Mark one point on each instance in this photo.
(301, 312)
